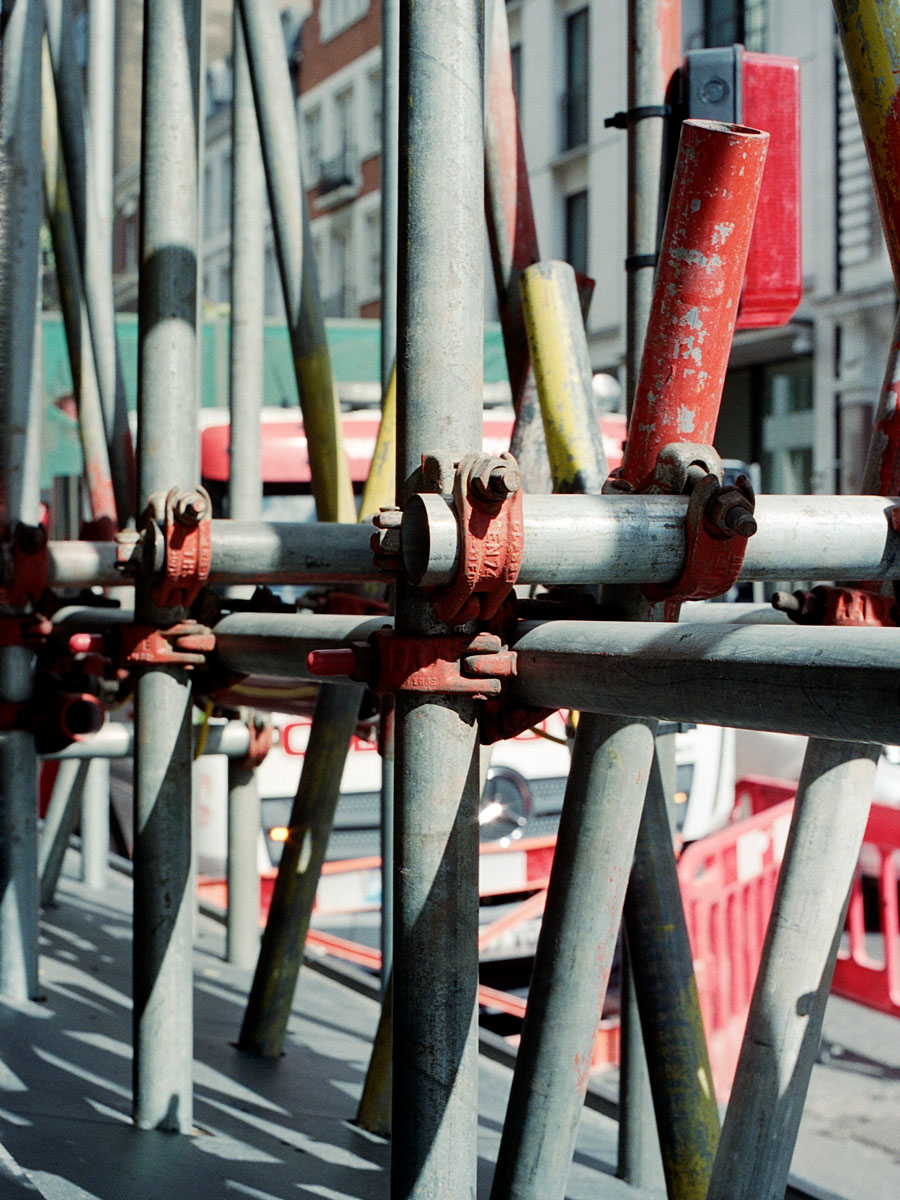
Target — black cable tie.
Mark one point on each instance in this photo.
(621, 120)
(635, 262)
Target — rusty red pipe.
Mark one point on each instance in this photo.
(698, 285)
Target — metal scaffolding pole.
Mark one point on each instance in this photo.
(20, 203)
(59, 825)
(833, 797)
(784, 1024)
(439, 388)
(167, 448)
(624, 539)
(93, 223)
(275, 981)
(512, 235)
(95, 824)
(98, 480)
(299, 272)
(595, 842)
(248, 202)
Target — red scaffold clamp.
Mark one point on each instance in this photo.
(487, 496)
(718, 523)
(187, 533)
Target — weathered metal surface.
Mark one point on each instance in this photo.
(601, 811)
(784, 1024)
(167, 459)
(666, 994)
(312, 815)
(560, 361)
(439, 390)
(248, 216)
(870, 36)
(512, 236)
(97, 474)
(299, 272)
(704, 250)
(90, 191)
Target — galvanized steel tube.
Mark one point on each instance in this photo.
(641, 539)
(666, 992)
(59, 825)
(299, 272)
(95, 824)
(595, 842)
(512, 236)
(20, 212)
(97, 474)
(840, 686)
(93, 229)
(718, 174)
(784, 1024)
(167, 445)
(870, 36)
(390, 178)
(242, 872)
(312, 815)
(248, 201)
(561, 364)
(439, 390)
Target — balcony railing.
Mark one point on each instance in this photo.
(338, 172)
(573, 118)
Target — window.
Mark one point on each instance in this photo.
(575, 97)
(515, 55)
(343, 117)
(337, 15)
(729, 21)
(577, 231)
(312, 138)
(373, 253)
(375, 111)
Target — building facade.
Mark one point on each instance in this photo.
(799, 399)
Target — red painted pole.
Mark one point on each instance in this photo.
(695, 300)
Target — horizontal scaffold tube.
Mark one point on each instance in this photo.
(568, 540)
(833, 683)
(640, 539)
(270, 552)
(116, 740)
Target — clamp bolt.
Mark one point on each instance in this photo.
(498, 479)
(191, 508)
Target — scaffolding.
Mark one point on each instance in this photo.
(459, 659)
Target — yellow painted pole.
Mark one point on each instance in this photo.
(559, 356)
(870, 35)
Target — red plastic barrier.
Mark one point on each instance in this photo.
(860, 975)
(727, 885)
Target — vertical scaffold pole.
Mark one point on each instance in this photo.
(299, 272)
(679, 388)
(784, 1023)
(601, 810)
(597, 830)
(248, 200)
(167, 457)
(512, 235)
(439, 390)
(93, 230)
(20, 219)
(654, 51)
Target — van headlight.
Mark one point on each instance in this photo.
(506, 805)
